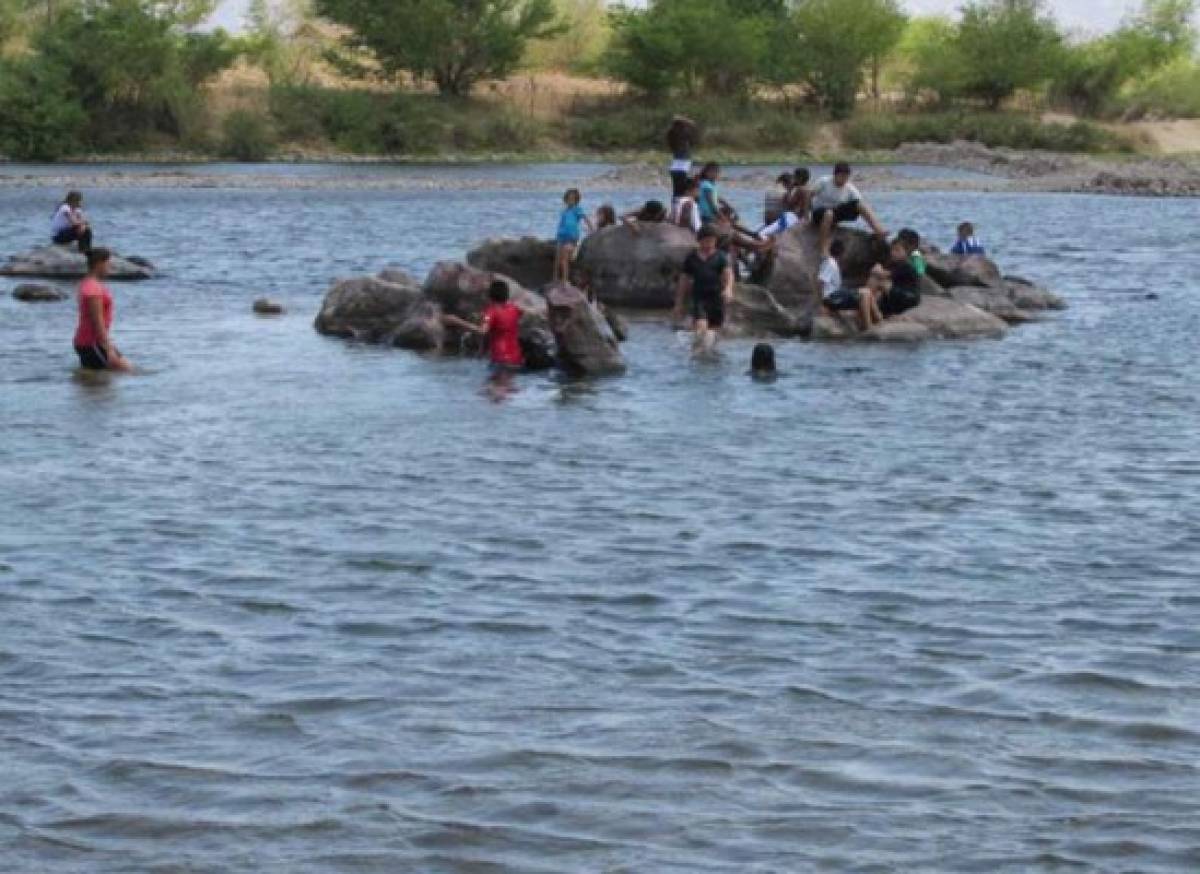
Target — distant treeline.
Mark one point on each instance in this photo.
(398, 76)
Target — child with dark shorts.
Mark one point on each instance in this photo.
(708, 277)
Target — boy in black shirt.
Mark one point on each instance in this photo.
(905, 291)
(708, 276)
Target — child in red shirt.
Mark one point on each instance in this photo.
(501, 325)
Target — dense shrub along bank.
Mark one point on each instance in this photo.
(999, 130)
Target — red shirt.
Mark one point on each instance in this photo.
(503, 323)
(89, 289)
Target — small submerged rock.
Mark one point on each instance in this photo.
(36, 293)
(67, 262)
(266, 307)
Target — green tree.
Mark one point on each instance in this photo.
(582, 41)
(929, 58)
(40, 116)
(839, 40)
(1006, 46)
(454, 43)
(691, 46)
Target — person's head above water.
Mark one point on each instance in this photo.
(572, 197)
(711, 171)
(97, 261)
(498, 291)
(841, 173)
(762, 360)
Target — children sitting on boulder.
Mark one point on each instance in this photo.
(798, 197)
(904, 291)
(685, 211)
(967, 243)
(836, 200)
(835, 297)
(570, 232)
(911, 241)
(70, 225)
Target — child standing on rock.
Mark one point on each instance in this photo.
(570, 231)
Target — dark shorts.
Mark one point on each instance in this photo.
(679, 183)
(845, 212)
(711, 309)
(844, 299)
(92, 357)
(899, 300)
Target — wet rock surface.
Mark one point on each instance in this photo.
(67, 262)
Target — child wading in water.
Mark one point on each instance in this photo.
(501, 325)
(93, 342)
(708, 277)
(570, 231)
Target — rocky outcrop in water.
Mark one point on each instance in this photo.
(37, 293)
(528, 260)
(395, 309)
(67, 262)
(635, 268)
(586, 342)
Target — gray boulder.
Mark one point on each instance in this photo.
(375, 310)
(37, 293)
(67, 262)
(638, 270)
(934, 318)
(461, 290)
(587, 345)
(528, 260)
(754, 312)
(1027, 295)
(957, 270)
(264, 306)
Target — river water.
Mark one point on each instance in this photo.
(283, 603)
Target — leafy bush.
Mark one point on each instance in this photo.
(1172, 91)
(40, 116)
(248, 136)
(1009, 130)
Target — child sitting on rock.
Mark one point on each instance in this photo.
(501, 325)
(911, 241)
(967, 243)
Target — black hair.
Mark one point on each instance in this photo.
(707, 230)
(606, 215)
(73, 196)
(841, 167)
(836, 248)
(966, 228)
(681, 134)
(785, 179)
(572, 191)
(909, 237)
(97, 256)
(708, 168)
(498, 291)
(762, 359)
(692, 183)
(652, 211)
(801, 175)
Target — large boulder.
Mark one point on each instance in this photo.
(934, 318)
(791, 272)
(754, 312)
(394, 311)
(528, 260)
(38, 293)
(586, 343)
(461, 290)
(67, 262)
(1029, 296)
(957, 270)
(636, 268)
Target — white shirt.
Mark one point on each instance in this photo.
(830, 277)
(64, 218)
(827, 195)
(677, 208)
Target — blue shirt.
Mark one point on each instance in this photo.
(708, 200)
(969, 246)
(569, 222)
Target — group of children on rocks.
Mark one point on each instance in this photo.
(708, 274)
